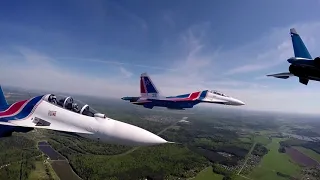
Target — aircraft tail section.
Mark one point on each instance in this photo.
(147, 88)
(3, 101)
(300, 50)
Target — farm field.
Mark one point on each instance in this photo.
(300, 158)
(274, 162)
(208, 174)
(262, 140)
(312, 154)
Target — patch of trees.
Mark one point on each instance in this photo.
(215, 157)
(305, 132)
(216, 168)
(229, 177)
(18, 153)
(69, 145)
(282, 149)
(292, 142)
(315, 146)
(259, 150)
(283, 175)
(153, 162)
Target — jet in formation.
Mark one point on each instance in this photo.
(61, 113)
(302, 65)
(150, 97)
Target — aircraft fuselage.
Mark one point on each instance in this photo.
(169, 104)
(43, 113)
(305, 69)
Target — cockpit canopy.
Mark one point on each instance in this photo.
(218, 93)
(67, 102)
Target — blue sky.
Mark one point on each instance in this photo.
(101, 47)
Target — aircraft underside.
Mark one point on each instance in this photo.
(170, 104)
(305, 73)
(6, 131)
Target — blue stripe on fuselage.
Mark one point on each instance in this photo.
(27, 109)
(203, 94)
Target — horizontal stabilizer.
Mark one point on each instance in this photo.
(285, 75)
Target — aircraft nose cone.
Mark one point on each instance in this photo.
(237, 102)
(129, 135)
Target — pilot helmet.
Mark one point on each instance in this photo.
(75, 106)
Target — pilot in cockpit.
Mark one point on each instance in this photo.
(75, 107)
(52, 99)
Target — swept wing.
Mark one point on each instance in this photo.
(285, 75)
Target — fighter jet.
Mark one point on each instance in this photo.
(67, 115)
(150, 97)
(302, 65)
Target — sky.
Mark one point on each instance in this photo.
(101, 47)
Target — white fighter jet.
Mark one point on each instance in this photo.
(150, 97)
(67, 115)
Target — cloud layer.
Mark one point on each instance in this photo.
(239, 72)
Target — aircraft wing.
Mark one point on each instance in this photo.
(45, 124)
(285, 75)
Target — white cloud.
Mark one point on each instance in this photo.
(275, 48)
(194, 71)
(113, 62)
(37, 71)
(125, 72)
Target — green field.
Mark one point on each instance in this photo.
(42, 171)
(208, 174)
(245, 139)
(312, 154)
(274, 162)
(240, 177)
(262, 140)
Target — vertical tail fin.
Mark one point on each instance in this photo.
(147, 88)
(300, 50)
(3, 101)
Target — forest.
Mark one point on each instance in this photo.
(19, 154)
(200, 144)
(315, 146)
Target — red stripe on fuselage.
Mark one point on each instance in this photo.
(142, 88)
(194, 95)
(13, 108)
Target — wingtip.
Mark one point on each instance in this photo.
(293, 31)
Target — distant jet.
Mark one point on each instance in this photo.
(302, 65)
(67, 115)
(151, 97)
